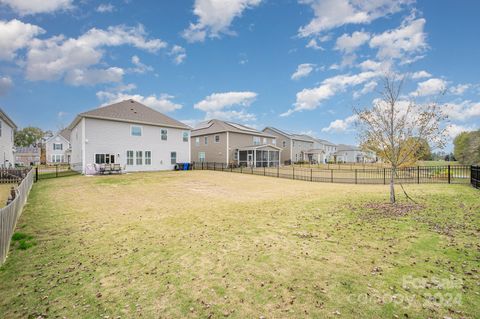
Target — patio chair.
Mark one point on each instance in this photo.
(117, 168)
(107, 169)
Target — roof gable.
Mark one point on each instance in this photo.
(218, 126)
(7, 119)
(131, 111)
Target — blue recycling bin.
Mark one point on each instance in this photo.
(186, 166)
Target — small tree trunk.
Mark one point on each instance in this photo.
(392, 187)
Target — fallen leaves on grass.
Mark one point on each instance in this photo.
(375, 210)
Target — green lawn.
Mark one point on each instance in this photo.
(213, 244)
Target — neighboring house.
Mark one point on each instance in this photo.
(130, 134)
(57, 148)
(226, 142)
(27, 156)
(294, 146)
(353, 154)
(322, 151)
(7, 131)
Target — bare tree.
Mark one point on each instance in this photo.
(396, 128)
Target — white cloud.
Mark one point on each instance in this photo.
(6, 84)
(105, 7)
(16, 35)
(215, 18)
(453, 129)
(25, 7)
(420, 75)
(139, 66)
(430, 87)
(349, 43)
(77, 77)
(459, 89)
(310, 99)
(312, 44)
(59, 57)
(162, 103)
(330, 14)
(303, 70)
(179, 54)
(217, 105)
(340, 125)
(462, 111)
(402, 43)
(367, 88)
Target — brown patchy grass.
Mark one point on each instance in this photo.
(5, 193)
(212, 244)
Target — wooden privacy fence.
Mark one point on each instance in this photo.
(475, 177)
(9, 215)
(448, 174)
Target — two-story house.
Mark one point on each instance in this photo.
(294, 146)
(7, 131)
(57, 148)
(128, 133)
(353, 154)
(234, 144)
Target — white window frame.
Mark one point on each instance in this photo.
(139, 159)
(257, 140)
(172, 158)
(162, 134)
(197, 141)
(215, 138)
(265, 140)
(206, 140)
(131, 130)
(58, 149)
(132, 158)
(201, 158)
(274, 141)
(186, 136)
(148, 159)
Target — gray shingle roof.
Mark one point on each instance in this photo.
(7, 119)
(218, 126)
(134, 112)
(65, 133)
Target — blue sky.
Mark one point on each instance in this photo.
(300, 65)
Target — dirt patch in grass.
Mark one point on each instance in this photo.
(375, 210)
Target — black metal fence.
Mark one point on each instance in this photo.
(54, 171)
(448, 174)
(475, 176)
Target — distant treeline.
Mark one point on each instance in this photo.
(467, 147)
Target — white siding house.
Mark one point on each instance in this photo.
(353, 154)
(7, 131)
(130, 134)
(57, 148)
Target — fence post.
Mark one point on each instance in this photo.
(36, 174)
(311, 175)
(331, 175)
(355, 176)
(384, 176)
(56, 170)
(278, 170)
(449, 175)
(264, 171)
(293, 172)
(418, 174)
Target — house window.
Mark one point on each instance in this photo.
(197, 141)
(284, 144)
(57, 158)
(148, 158)
(129, 157)
(139, 158)
(185, 136)
(206, 140)
(274, 141)
(173, 158)
(164, 134)
(256, 140)
(103, 159)
(265, 140)
(217, 138)
(57, 146)
(136, 130)
(201, 156)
